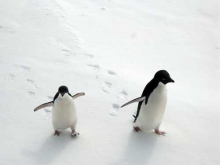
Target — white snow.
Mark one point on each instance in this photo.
(109, 49)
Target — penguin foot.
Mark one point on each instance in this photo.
(74, 133)
(160, 132)
(137, 129)
(56, 133)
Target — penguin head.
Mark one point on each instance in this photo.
(63, 90)
(163, 76)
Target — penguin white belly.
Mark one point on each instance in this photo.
(64, 113)
(151, 115)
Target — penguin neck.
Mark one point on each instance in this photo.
(64, 98)
(154, 82)
(150, 87)
(161, 86)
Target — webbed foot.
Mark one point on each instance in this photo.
(137, 129)
(57, 133)
(160, 132)
(74, 133)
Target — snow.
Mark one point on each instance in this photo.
(109, 49)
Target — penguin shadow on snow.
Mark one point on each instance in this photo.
(53, 146)
(140, 148)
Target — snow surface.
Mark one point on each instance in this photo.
(109, 49)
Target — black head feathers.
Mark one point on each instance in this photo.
(62, 90)
(163, 76)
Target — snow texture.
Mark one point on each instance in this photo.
(109, 49)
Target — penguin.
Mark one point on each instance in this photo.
(63, 111)
(152, 103)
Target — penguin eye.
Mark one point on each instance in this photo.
(163, 79)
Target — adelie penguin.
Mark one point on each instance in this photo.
(63, 111)
(152, 103)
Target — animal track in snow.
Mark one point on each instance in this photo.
(114, 110)
(31, 94)
(93, 66)
(108, 84)
(47, 110)
(104, 90)
(47, 113)
(6, 29)
(10, 77)
(31, 82)
(106, 87)
(66, 52)
(25, 68)
(89, 55)
(111, 72)
(123, 94)
(116, 106)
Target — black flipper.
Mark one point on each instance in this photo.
(138, 110)
(133, 101)
(49, 104)
(78, 95)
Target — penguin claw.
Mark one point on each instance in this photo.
(160, 132)
(73, 134)
(56, 133)
(137, 129)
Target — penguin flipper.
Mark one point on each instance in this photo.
(78, 95)
(138, 111)
(133, 101)
(49, 104)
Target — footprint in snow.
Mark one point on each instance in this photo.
(48, 110)
(116, 106)
(47, 113)
(31, 82)
(6, 29)
(123, 94)
(111, 72)
(10, 77)
(94, 67)
(106, 87)
(66, 53)
(114, 110)
(31, 94)
(25, 68)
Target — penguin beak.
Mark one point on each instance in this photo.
(62, 94)
(171, 80)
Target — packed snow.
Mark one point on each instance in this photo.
(109, 49)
